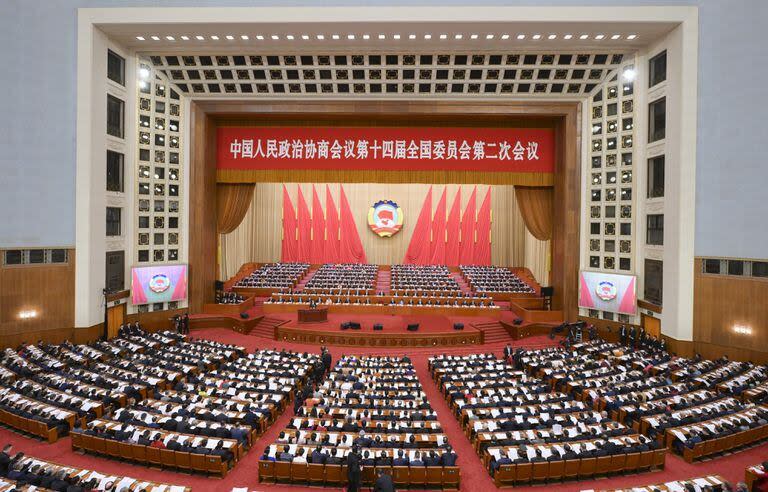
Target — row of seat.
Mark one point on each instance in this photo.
(209, 464)
(726, 443)
(444, 477)
(30, 426)
(545, 471)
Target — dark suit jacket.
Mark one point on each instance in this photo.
(384, 484)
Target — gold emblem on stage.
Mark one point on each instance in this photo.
(385, 218)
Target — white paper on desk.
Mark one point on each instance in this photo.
(653, 422)
(196, 442)
(333, 438)
(440, 440)
(495, 413)
(167, 439)
(135, 436)
(678, 435)
(572, 432)
(495, 453)
(492, 425)
(701, 482)
(545, 416)
(546, 452)
(714, 480)
(589, 446)
(487, 436)
(425, 437)
(412, 454)
(239, 489)
(519, 419)
(674, 487)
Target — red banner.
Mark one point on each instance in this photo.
(516, 150)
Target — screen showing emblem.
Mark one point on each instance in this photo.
(159, 283)
(606, 291)
(385, 218)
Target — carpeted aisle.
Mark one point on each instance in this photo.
(473, 476)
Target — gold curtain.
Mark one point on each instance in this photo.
(232, 203)
(536, 204)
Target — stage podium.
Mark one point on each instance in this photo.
(313, 315)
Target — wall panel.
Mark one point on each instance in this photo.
(47, 289)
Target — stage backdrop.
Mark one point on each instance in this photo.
(259, 237)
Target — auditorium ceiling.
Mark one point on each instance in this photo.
(552, 60)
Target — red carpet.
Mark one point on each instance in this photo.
(473, 476)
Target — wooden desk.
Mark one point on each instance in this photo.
(312, 315)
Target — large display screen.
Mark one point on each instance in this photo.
(608, 292)
(162, 283)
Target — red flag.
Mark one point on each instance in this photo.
(482, 254)
(305, 229)
(351, 247)
(318, 229)
(468, 231)
(418, 249)
(290, 246)
(331, 229)
(452, 232)
(438, 233)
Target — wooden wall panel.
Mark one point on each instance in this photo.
(155, 321)
(203, 247)
(721, 302)
(47, 289)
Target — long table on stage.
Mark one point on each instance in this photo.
(491, 312)
(319, 315)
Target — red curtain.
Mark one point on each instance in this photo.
(290, 246)
(438, 233)
(305, 229)
(482, 252)
(418, 252)
(318, 229)
(452, 232)
(351, 249)
(331, 228)
(466, 257)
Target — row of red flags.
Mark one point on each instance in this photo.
(332, 237)
(457, 240)
(319, 237)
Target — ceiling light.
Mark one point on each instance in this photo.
(584, 36)
(505, 36)
(320, 36)
(230, 37)
(185, 38)
(289, 37)
(275, 37)
(629, 74)
(552, 36)
(396, 36)
(305, 36)
(200, 38)
(632, 36)
(489, 36)
(366, 36)
(260, 37)
(616, 36)
(335, 36)
(244, 37)
(140, 38)
(599, 36)
(443, 36)
(536, 36)
(215, 38)
(350, 36)
(382, 36)
(458, 36)
(568, 36)
(427, 36)
(155, 38)
(473, 36)
(521, 36)
(143, 84)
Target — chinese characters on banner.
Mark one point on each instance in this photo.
(384, 148)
